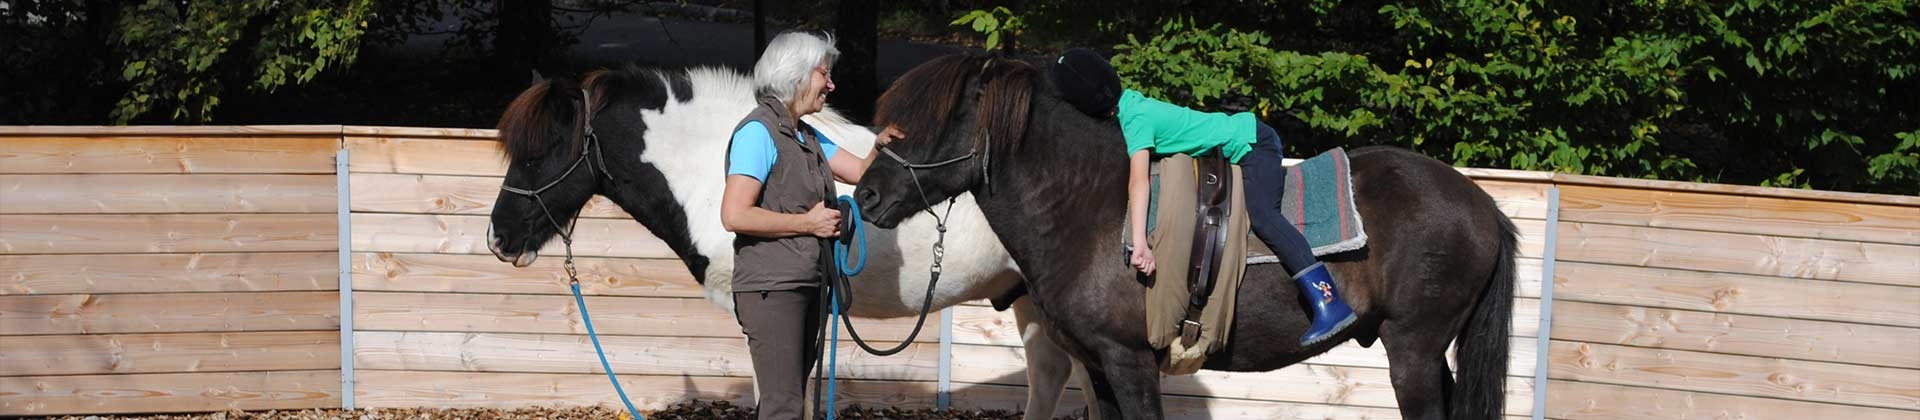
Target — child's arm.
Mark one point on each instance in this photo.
(1137, 195)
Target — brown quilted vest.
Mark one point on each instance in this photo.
(800, 178)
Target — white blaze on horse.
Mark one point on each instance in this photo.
(657, 146)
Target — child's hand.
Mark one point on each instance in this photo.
(1143, 259)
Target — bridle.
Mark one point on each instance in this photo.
(583, 133)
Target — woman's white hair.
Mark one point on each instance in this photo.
(788, 63)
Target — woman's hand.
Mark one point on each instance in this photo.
(1143, 258)
(887, 136)
(822, 221)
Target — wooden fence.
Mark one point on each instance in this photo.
(196, 269)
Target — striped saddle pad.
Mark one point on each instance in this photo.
(1318, 200)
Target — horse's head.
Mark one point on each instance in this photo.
(555, 167)
(957, 112)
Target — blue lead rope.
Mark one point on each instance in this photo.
(840, 255)
(588, 321)
(849, 211)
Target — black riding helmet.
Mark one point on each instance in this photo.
(1087, 81)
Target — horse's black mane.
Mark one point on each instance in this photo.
(547, 111)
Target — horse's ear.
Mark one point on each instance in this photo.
(536, 77)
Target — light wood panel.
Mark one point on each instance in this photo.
(89, 234)
(167, 155)
(1518, 200)
(391, 272)
(446, 234)
(552, 353)
(1742, 214)
(1737, 334)
(154, 193)
(169, 353)
(157, 313)
(162, 273)
(1738, 375)
(982, 325)
(382, 388)
(169, 392)
(386, 131)
(1738, 293)
(1300, 383)
(437, 194)
(540, 314)
(1740, 253)
(426, 156)
(1788, 193)
(89, 131)
(1571, 400)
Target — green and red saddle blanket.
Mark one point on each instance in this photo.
(1318, 200)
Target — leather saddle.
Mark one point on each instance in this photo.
(1213, 206)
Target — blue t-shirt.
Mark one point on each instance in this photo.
(753, 152)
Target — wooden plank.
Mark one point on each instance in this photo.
(164, 155)
(379, 388)
(553, 353)
(1737, 334)
(169, 273)
(317, 130)
(1570, 400)
(384, 388)
(1740, 253)
(540, 314)
(169, 353)
(169, 392)
(1519, 200)
(154, 193)
(438, 194)
(1738, 294)
(1737, 375)
(426, 156)
(167, 233)
(1300, 383)
(1787, 193)
(390, 272)
(163, 313)
(982, 325)
(387, 131)
(445, 234)
(1842, 221)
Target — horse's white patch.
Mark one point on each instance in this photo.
(687, 141)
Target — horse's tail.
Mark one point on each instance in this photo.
(1481, 349)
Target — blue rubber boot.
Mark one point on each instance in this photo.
(1330, 314)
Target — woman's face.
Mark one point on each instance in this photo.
(812, 96)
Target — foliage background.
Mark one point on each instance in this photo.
(1808, 94)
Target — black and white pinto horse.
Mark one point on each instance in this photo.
(657, 150)
(1051, 181)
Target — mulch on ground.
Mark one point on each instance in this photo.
(693, 410)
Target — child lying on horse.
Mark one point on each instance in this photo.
(1153, 128)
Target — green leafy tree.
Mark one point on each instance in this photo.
(1804, 94)
(181, 56)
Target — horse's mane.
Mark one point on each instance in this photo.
(547, 110)
(1006, 86)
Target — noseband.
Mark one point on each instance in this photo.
(583, 132)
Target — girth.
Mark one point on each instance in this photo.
(1213, 188)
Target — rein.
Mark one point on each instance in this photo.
(584, 133)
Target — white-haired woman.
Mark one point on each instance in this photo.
(780, 174)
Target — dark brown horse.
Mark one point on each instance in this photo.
(1052, 183)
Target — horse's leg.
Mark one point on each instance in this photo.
(1086, 390)
(1126, 382)
(1048, 365)
(1417, 363)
